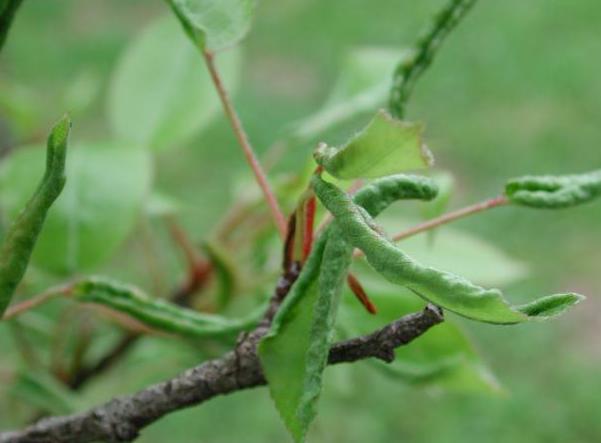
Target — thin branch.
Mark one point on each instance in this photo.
(249, 153)
(448, 218)
(36, 301)
(122, 419)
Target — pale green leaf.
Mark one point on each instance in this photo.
(160, 204)
(386, 146)
(362, 86)
(214, 24)
(42, 390)
(161, 93)
(443, 358)
(106, 187)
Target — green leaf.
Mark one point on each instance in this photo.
(442, 288)
(386, 146)
(42, 390)
(160, 204)
(284, 351)
(444, 357)
(161, 93)
(161, 314)
(30, 212)
(554, 192)
(214, 25)
(361, 87)
(106, 188)
(294, 352)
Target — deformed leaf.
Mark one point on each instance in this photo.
(107, 186)
(442, 288)
(554, 192)
(161, 93)
(294, 352)
(214, 24)
(160, 314)
(31, 209)
(386, 146)
(283, 351)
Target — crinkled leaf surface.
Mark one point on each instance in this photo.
(386, 146)
(554, 192)
(362, 86)
(294, 353)
(443, 358)
(214, 24)
(161, 93)
(106, 187)
(442, 288)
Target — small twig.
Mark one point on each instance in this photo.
(249, 153)
(448, 218)
(199, 270)
(35, 301)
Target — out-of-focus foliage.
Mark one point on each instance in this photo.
(106, 187)
(160, 94)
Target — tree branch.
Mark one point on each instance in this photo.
(122, 419)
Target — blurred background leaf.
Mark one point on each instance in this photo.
(106, 187)
(161, 93)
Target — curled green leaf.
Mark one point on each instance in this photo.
(386, 146)
(410, 68)
(160, 314)
(444, 289)
(554, 192)
(22, 235)
(294, 352)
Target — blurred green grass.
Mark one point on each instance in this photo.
(515, 90)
